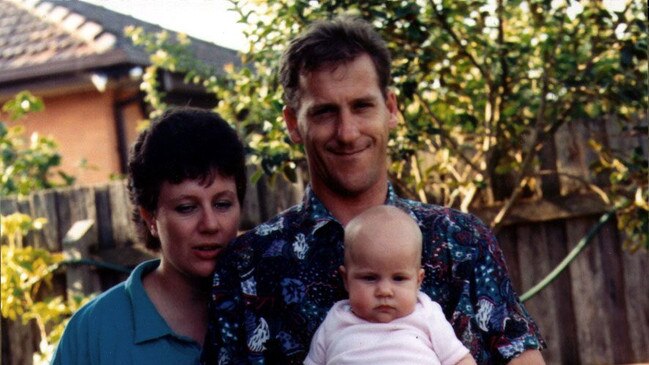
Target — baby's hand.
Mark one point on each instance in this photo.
(467, 360)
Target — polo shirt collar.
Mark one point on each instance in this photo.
(148, 323)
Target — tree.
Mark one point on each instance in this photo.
(483, 86)
(27, 167)
(26, 271)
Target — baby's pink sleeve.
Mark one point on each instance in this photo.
(317, 352)
(447, 346)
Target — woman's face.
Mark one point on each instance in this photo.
(194, 223)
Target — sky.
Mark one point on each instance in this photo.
(209, 20)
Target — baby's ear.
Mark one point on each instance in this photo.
(343, 273)
(420, 277)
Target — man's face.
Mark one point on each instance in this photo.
(343, 120)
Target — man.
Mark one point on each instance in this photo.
(274, 285)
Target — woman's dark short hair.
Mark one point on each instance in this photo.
(332, 42)
(184, 143)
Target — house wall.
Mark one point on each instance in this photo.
(132, 118)
(83, 125)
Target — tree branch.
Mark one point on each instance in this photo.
(535, 145)
(451, 142)
(463, 50)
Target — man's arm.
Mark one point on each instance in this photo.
(529, 357)
(225, 337)
(499, 300)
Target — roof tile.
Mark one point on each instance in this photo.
(57, 14)
(90, 30)
(72, 22)
(43, 9)
(39, 38)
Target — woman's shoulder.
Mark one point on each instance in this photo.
(106, 304)
(100, 322)
(98, 319)
(118, 301)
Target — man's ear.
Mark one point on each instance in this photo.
(290, 118)
(343, 273)
(391, 103)
(149, 219)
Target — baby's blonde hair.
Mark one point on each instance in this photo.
(379, 218)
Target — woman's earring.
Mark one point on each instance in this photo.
(154, 233)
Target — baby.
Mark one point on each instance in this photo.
(386, 320)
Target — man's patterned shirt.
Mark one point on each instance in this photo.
(274, 285)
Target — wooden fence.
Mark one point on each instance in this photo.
(596, 312)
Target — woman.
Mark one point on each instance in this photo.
(187, 183)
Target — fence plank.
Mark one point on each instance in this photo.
(642, 124)
(565, 155)
(80, 279)
(533, 256)
(561, 298)
(123, 228)
(550, 184)
(627, 136)
(276, 195)
(104, 219)
(76, 205)
(587, 288)
(21, 343)
(22, 206)
(251, 209)
(509, 247)
(8, 205)
(636, 287)
(614, 139)
(613, 298)
(597, 132)
(568, 159)
(285, 194)
(43, 204)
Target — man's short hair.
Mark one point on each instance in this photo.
(330, 43)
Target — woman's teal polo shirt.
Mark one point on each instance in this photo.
(122, 326)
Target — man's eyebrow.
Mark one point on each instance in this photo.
(321, 107)
(333, 106)
(366, 99)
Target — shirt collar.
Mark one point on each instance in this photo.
(392, 198)
(148, 323)
(316, 214)
(319, 215)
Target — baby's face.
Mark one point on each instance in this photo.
(382, 284)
